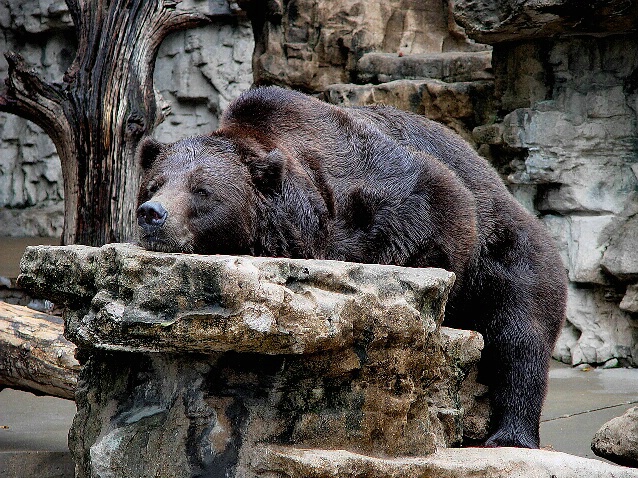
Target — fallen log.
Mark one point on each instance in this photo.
(34, 355)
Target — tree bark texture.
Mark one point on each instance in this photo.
(34, 355)
(104, 106)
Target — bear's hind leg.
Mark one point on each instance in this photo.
(515, 367)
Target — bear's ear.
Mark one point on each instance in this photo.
(148, 151)
(267, 171)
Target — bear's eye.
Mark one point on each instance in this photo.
(153, 187)
(201, 192)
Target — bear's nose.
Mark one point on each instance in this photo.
(151, 213)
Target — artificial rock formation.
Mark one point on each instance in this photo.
(31, 190)
(191, 361)
(402, 53)
(490, 22)
(198, 72)
(565, 139)
(309, 44)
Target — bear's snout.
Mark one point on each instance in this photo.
(161, 230)
(151, 215)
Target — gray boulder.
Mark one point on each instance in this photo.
(617, 440)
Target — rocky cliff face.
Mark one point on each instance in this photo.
(31, 191)
(311, 44)
(403, 53)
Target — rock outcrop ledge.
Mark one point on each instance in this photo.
(241, 366)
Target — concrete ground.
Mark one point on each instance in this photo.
(579, 402)
(33, 436)
(33, 430)
(12, 248)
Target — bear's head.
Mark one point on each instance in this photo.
(202, 195)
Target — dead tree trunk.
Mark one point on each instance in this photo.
(34, 355)
(104, 106)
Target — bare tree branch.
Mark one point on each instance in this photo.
(30, 97)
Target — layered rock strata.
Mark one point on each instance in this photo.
(309, 44)
(402, 53)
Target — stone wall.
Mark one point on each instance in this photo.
(31, 191)
(580, 141)
(198, 73)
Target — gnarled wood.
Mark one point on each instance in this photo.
(34, 355)
(104, 106)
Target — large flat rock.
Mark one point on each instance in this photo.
(617, 440)
(190, 361)
(121, 297)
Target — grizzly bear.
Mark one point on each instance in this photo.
(288, 175)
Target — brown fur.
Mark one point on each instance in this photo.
(287, 175)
